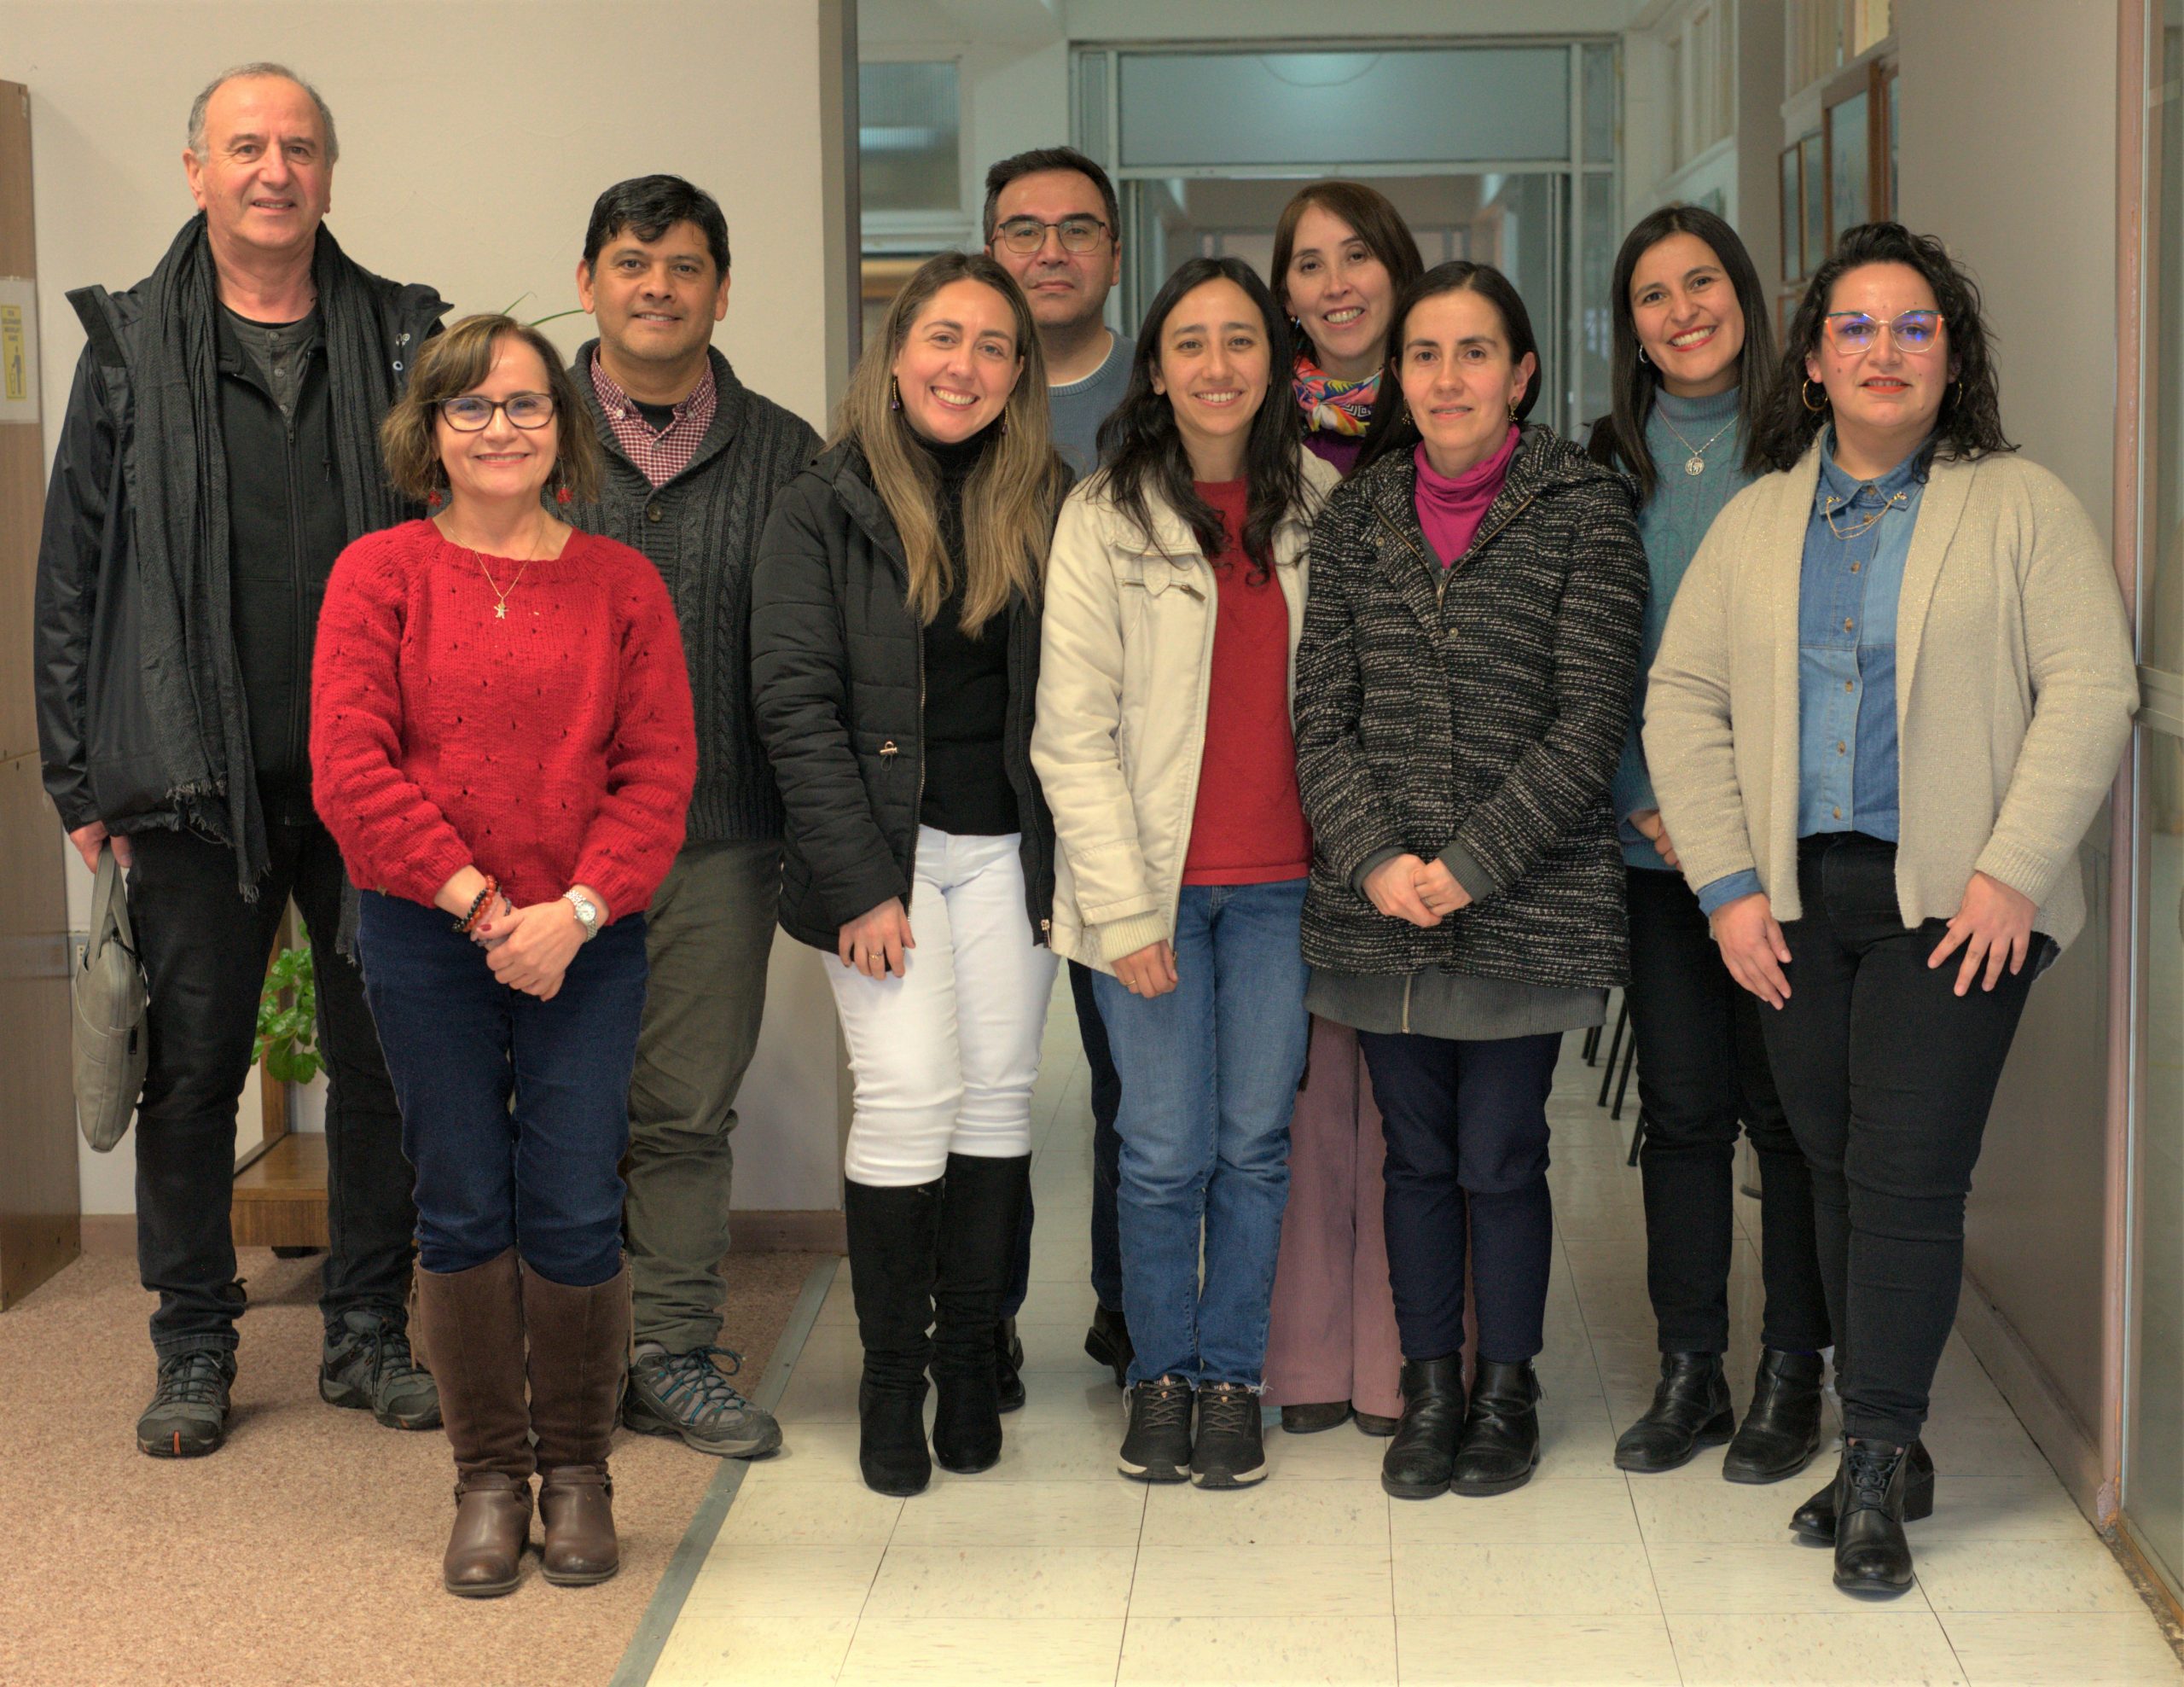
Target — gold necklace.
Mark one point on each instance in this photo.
(1696, 463)
(1866, 526)
(500, 604)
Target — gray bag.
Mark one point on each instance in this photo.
(111, 1042)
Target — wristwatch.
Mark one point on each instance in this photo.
(587, 912)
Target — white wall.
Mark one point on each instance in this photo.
(474, 138)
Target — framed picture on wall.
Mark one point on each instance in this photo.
(1793, 226)
(1850, 162)
(1812, 184)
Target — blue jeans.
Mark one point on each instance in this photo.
(1209, 1076)
(514, 1110)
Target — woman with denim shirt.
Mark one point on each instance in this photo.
(1924, 629)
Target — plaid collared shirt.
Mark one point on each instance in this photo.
(658, 457)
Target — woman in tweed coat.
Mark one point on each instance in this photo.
(1462, 687)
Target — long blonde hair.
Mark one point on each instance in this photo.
(1010, 500)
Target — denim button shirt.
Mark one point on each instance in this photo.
(1847, 591)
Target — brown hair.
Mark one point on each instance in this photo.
(1010, 500)
(1366, 210)
(448, 365)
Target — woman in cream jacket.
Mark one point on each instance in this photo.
(1892, 692)
(1175, 594)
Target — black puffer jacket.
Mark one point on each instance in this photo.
(838, 684)
(1477, 710)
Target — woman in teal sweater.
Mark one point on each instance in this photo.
(1695, 358)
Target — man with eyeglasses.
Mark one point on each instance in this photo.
(693, 460)
(1052, 221)
(220, 448)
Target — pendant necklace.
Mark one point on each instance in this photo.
(500, 604)
(1696, 463)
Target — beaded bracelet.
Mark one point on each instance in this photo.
(478, 905)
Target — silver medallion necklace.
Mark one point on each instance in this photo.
(1696, 462)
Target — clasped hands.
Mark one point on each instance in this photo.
(528, 949)
(1424, 892)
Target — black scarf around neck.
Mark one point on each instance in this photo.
(192, 685)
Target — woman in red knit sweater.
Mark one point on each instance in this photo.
(502, 744)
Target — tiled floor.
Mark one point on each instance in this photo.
(1051, 1567)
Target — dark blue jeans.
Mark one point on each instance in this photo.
(1467, 1128)
(1209, 1075)
(514, 1110)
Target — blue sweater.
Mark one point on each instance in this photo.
(1672, 523)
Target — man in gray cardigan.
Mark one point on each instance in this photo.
(693, 459)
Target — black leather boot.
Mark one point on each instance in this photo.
(981, 1210)
(1108, 1342)
(1871, 1553)
(1690, 1411)
(1008, 1364)
(1422, 1458)
(893, 1236)
(1780, 1433)
(1815, 1519)
(1499, 1449)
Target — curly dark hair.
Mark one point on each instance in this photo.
(1144, 450)
(1970, 421)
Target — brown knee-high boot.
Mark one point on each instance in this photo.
(472, 1323)
(579, 1354)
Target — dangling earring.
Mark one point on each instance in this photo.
(895, 392)
(563, 496)
(1513, 410)
(1642, 357)
(1805, 396)
(434, 499)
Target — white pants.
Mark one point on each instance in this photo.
(945, 1057)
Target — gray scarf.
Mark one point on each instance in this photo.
(193, 686)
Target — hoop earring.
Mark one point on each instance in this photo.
(1642, 357)
(1804, 398)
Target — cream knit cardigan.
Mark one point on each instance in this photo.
(2014, 691)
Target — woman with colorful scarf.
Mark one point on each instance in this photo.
(1341, 256)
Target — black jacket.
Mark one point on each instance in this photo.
(100, 759)
(701, 531)
(1474, 714)
(838, 682)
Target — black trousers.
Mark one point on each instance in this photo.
(1888, 1076)
(1702, 1075)
(204, 949)
(1467, 1131)
(1107, 1161)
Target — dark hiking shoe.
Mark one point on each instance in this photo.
(1158, 1446)
(367, 1365)
(188, 1416)
(686, 1394)
(1230, 1450)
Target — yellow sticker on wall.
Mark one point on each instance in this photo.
(14, 358)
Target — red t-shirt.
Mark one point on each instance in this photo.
(1248, 826)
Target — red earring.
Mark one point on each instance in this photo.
(433, 500)
(563, 496)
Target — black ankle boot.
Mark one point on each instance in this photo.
(1780, 1433)
(1871, 1553)
(1108, 1342)
(893, 1236)
(1419, 1461)
(1499, 1449)
(1690, 1411)
(981, 1210)
(1815, 1519)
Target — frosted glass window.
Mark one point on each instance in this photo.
(910, 148)
(1600, 104)
(1449, 106)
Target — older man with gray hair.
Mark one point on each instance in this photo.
(220, 448)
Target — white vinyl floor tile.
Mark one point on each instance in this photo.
(1053, 1569)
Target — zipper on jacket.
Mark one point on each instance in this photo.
(299, 650)
(1442, 574)
(1407, 979)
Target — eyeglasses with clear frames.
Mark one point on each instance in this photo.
(474, 413)
(1851, 332)
(1025, 235)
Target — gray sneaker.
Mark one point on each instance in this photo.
(686, 1394)
(367, 1365)
(188, 1416)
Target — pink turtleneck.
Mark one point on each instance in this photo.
(1450, 510)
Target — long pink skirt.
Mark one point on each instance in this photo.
(1333, 1335)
